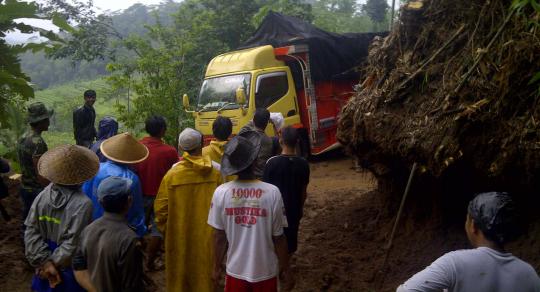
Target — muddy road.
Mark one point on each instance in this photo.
(341, 243)
(323, 259)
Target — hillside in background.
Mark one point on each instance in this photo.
(47, 72)
(65, 98)
(155, 54)
(333, 16)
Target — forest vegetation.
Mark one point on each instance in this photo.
(142, 59)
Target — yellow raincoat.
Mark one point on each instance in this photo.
(215, 151)
(181, 209)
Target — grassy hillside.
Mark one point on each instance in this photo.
(70, 96)
(67, 97)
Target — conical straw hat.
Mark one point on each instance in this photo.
(123, 148)
(68, 165)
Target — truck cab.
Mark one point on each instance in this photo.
(237, 83)
(266, 83)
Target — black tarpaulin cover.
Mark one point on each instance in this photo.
(331, 54)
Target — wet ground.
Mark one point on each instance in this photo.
(345, 228)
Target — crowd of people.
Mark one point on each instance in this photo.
(95, 211)
(97, 214)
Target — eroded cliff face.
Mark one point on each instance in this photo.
(452, 88)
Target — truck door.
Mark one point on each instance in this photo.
(275, 91)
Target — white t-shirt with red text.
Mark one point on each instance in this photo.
(250, 213)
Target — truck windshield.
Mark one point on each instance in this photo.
(220, 92)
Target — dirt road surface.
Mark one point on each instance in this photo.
(341, 243)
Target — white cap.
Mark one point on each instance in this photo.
(189, 139)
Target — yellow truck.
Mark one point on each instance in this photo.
(306, 78)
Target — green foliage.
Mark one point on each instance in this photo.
(61, 22)
(45, 72)
(341, 16)
(14, 114)
(11, 9)
(228, 21)
(15, 83)
(376, 10)
(55, 138)
(536, 79)
(294, 8)
(90, 41)
(520, 5)
(529, 10)
(154, 81)
(65, 98)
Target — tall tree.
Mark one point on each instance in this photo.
(341, 16)
(15, 83)
(15, 86)
(296, 8)
(376, 10)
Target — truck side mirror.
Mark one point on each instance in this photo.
(185, 101)
(240, 96)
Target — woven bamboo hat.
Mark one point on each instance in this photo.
(123, 148)
(68, 165)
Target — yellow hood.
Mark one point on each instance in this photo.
(215, 150)
(218, 146)
(192, 169)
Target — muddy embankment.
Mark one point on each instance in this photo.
(452, 88)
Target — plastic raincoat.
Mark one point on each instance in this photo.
(136, 212)
(214, 150)
(181, 207)
(53, 227)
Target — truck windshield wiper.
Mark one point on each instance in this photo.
(226, 105)
(209, 108)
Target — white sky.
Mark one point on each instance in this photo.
(102, 5)
(113, 5)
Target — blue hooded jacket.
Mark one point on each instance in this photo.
(135, 215)
(108, 127)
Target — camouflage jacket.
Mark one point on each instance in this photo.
(29, 146)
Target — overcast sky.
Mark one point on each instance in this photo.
(122, 4)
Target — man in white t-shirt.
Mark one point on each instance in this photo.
(491, 222)
(248, 217)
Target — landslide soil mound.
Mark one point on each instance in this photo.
(452, 88)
